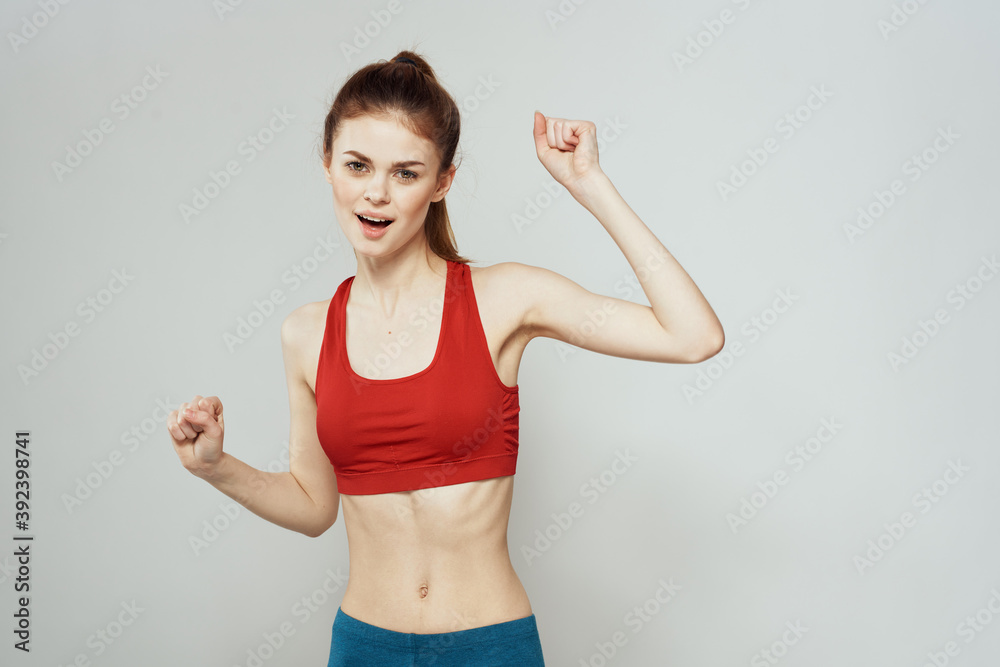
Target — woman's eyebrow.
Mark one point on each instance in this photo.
(406, 163)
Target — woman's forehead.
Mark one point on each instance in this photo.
(373, 128)
(383, 140)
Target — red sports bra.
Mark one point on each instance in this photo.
(453, 422)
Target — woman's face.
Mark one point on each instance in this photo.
(379, 169)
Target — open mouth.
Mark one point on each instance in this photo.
(373, 222)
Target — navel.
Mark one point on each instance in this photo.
(423, 591)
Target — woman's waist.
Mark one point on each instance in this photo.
(403, 563)
(421, 598)
(438, 529)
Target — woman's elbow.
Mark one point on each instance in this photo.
(710, 346)
(319, 527)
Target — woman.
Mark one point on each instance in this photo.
(403, 385)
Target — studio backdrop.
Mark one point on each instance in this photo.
(823, 491)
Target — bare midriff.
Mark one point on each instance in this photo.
(432, 560)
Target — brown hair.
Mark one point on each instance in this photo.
(412, 94)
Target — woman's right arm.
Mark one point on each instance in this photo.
(304, 499)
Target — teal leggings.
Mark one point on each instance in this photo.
(359, 644)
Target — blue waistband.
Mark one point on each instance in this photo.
(489, 634)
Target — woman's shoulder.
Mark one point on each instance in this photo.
(504, 272)
(303, 323)
(514, 278)
(310, 317)
(505, 293)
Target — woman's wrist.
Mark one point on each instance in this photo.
(213, 472)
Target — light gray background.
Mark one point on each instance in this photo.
(680, 132)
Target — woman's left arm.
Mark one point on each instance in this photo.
(680, 327)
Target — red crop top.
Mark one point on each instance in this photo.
(453, 422)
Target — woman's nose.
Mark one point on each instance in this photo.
(376, 192)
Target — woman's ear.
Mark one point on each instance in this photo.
(444, 183)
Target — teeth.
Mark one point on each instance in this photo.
(363, 217)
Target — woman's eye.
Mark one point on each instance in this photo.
(357, 167)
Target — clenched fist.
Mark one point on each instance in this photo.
(197, 430)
